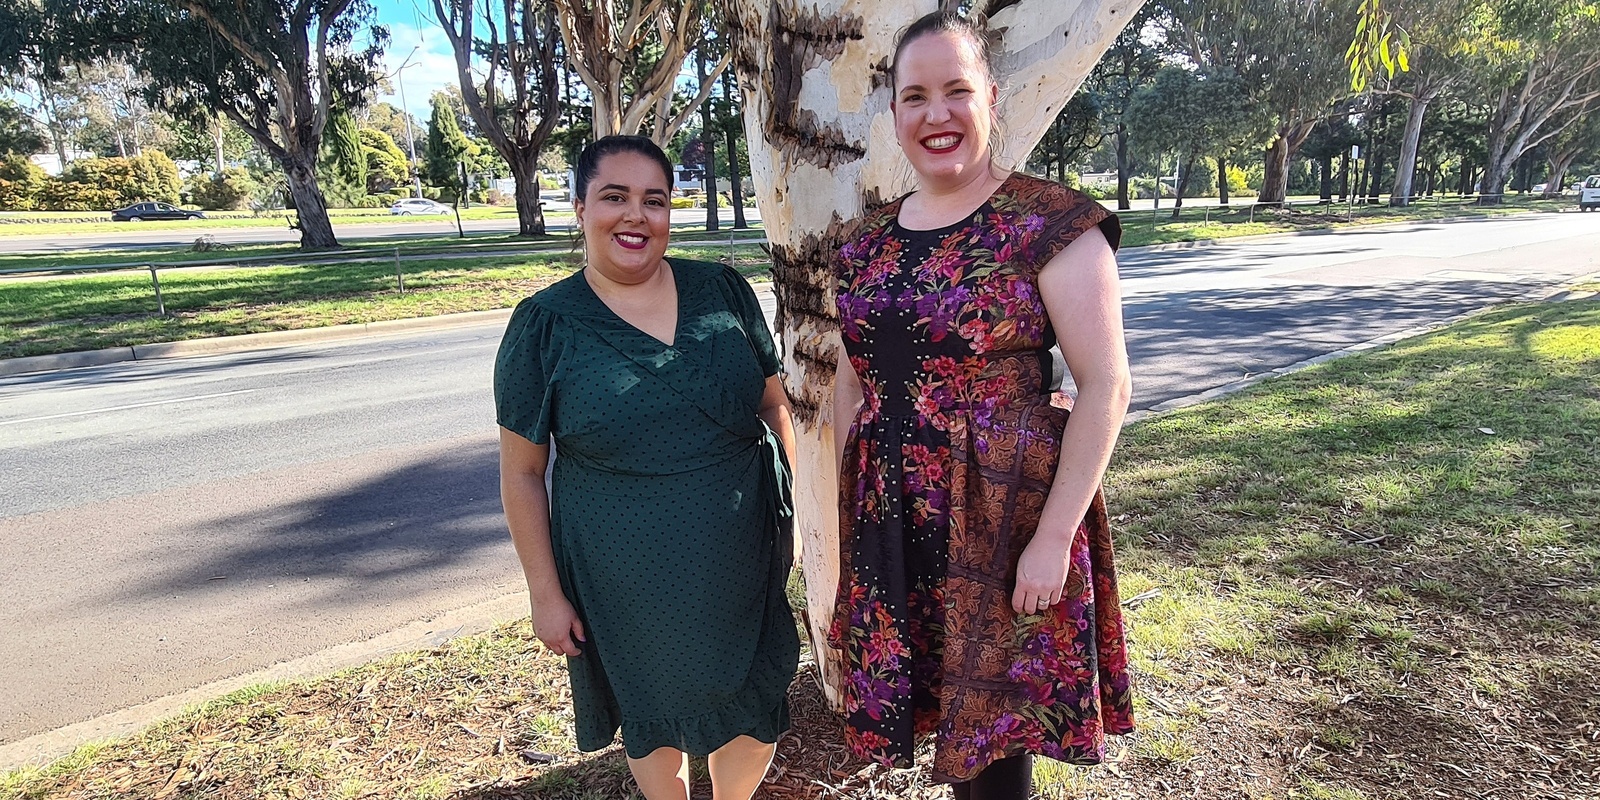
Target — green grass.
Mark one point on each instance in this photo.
(1344, 590)
(1342, 551)
(69, 314)
(40, 223)
(1146, 227)
(267, 254)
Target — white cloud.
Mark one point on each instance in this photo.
(432, 64)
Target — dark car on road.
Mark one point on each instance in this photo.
(152, 210)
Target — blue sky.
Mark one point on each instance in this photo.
(412, 27)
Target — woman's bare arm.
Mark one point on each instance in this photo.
(527, 505)
(775, 411)
(847, 399)
(1080, 292)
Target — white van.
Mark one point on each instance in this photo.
(1589, 193)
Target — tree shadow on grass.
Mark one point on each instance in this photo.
(1418, 525)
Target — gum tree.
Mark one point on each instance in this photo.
(517, 105)
(629, 54)
(272, 67)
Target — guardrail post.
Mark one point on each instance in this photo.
(161, 306)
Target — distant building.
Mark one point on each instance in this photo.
(51, 163)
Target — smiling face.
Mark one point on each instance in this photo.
(944, 108)
(625, 215)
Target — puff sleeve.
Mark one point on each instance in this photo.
(744, 305)
(524, 384)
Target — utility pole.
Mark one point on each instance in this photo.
(411, 138)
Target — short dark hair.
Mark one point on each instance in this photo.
(589, 160)
(976, 31)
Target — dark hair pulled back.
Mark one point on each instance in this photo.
(589, 160)
(937, 22)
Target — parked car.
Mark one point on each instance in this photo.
(418, 205)
(151, 210)
(1589, 195)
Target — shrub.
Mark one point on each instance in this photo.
(1100, 191)
(230, 191)
(152, 176)
(102, 184)
(683, 202)
(21, 182)
(386, 163)
(67, 195)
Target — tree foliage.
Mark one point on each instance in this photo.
(343, 161)
(19, 134)
(448, 146)
(273, 67)
(387, 167)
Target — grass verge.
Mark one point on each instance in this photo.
(1147, 227)
(76, 313)
(1372, 579)
(43, 224)
(271, 254)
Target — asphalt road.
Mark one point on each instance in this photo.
(168, 523)
(134, 235)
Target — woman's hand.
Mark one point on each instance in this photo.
(1041, 574)
(556, 624)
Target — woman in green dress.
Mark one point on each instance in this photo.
(656, 559)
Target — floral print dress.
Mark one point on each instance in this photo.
(944, 476)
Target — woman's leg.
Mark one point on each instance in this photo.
(1005, 779)
(662, 775)
(738, 767)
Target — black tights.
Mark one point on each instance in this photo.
(1005, 779)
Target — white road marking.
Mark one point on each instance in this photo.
(126, 407)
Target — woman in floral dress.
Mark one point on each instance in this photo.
(978, 600)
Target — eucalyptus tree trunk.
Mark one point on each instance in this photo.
(1405, 168)
(1124, 169)
(1222, 181)
(1275, 181)
(300, 172)
(1559, 162)
(823, 151)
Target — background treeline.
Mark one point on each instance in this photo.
(274, 103)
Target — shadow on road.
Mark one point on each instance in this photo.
(1182, 343)
(425, 517)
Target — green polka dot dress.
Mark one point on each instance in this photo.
(669, 509)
